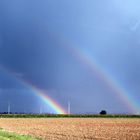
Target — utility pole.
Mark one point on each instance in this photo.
(9, 107)
(40, 111)
(69, 107)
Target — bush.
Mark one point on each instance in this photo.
(103, 112)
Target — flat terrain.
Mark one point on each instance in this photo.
(75, 128)
(4, 135)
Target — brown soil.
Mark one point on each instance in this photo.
(75, 128)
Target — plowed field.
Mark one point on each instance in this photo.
(75, 128)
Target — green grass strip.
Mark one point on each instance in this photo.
(4, 135)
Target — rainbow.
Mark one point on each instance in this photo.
(40, 94)
(95, 67)
(48, 100)
(85, 58)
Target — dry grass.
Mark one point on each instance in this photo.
(74, 128)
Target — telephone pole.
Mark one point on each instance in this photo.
(69, 107)
(40, 111)
(9, 107)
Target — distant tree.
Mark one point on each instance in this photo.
(103, 112)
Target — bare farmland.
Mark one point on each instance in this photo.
(75, 128)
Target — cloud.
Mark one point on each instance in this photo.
(135, 26)
(12, 90)
(1, 42)
(20, 75)
(1, 90)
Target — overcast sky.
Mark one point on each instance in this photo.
(45, 42)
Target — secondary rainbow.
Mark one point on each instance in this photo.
(39, 93)
(94, 66)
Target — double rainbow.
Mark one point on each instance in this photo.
(93, 66)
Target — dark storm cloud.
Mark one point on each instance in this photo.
(34, 36)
